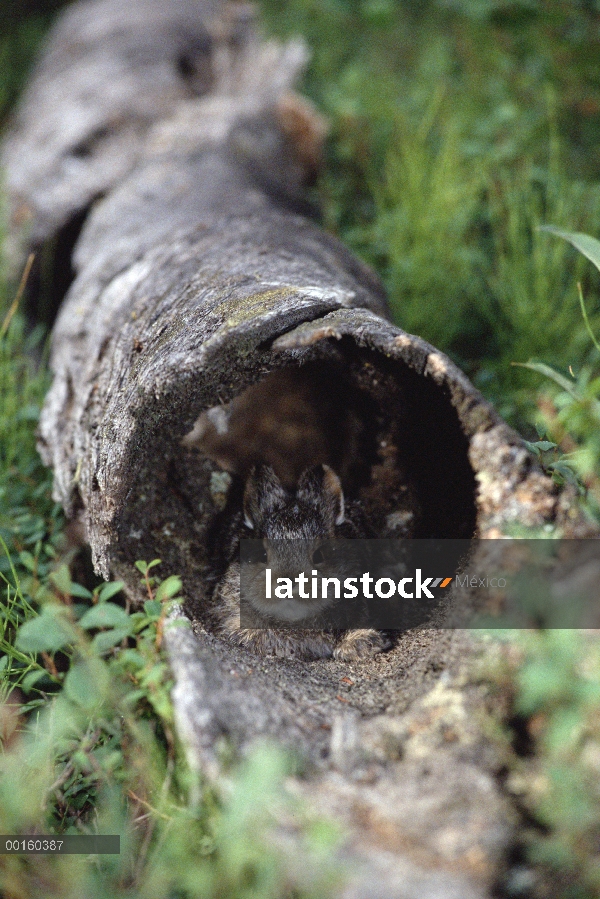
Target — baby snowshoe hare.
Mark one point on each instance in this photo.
(291, 522)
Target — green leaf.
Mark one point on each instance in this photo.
(540, 446)
(61, 578)
(562, 467)
(105, 615)
(31, 678)
(139, 619)
(144, 567)
(548, 372)
(134, 696)
(132, 659)
(169, 588)
(152, 608)
(105, 640)
(27, 560)
(78, 590)
(48, 632)
(561, 472)
(87, 682)
(110, 590)
(589, 246)
(545, 445)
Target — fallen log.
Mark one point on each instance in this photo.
(196, 275)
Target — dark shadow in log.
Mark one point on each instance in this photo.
(52, 273)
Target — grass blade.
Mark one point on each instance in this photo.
(548, 372)
(589, 246)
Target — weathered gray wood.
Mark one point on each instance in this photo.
(109, 71)
(195, 276)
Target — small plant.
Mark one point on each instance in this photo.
(572, 415)
(552, 680)
(87, 737)
(89, 747)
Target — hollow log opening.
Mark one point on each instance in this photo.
(392, 435)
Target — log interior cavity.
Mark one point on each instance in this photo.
(406, 461)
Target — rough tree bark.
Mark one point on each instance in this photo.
(195, 275)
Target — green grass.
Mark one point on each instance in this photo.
(88, 746)
(550, 681)
(456, 129)
(21, 34)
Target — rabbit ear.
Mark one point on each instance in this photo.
(333, 487)
(319, 483)
(263, 495)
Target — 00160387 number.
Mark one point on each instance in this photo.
(32, 845)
